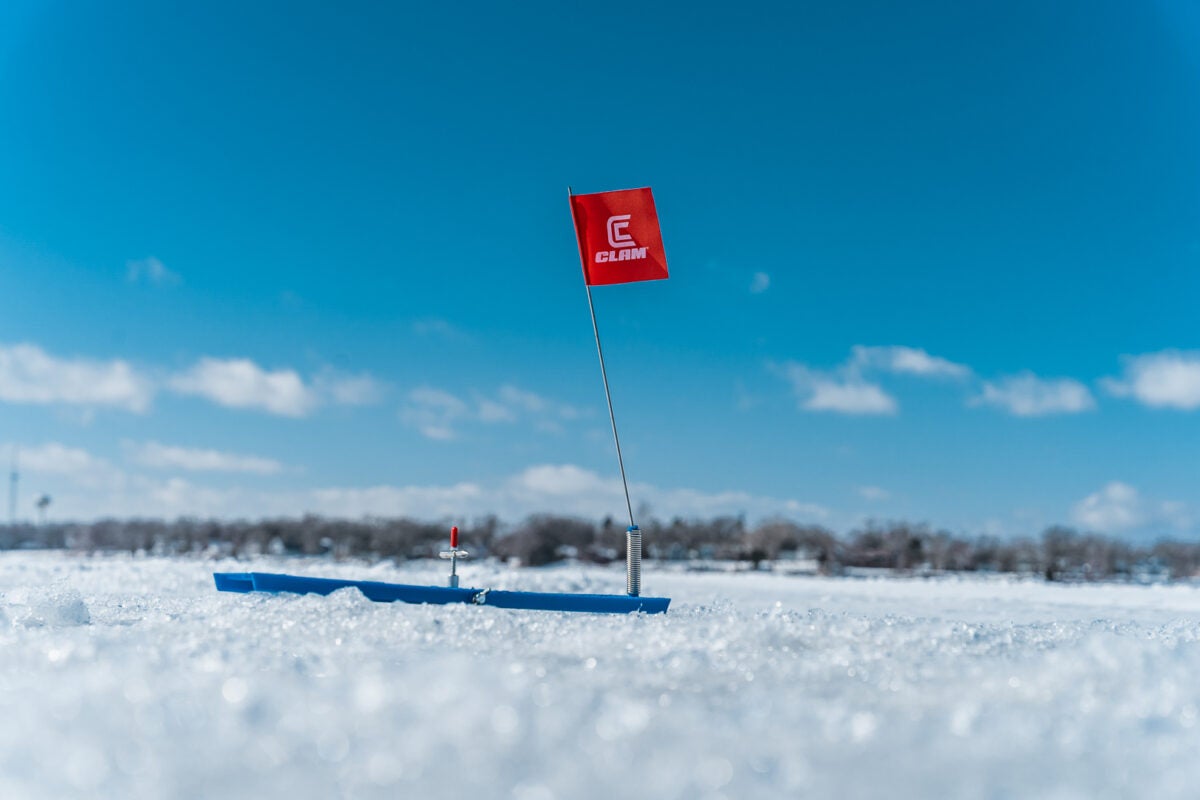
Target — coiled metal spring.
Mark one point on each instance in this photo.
(633, 561)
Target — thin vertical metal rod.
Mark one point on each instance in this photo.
(608, 396)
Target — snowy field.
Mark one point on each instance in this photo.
(132, 678)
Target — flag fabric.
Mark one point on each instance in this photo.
(619, 237)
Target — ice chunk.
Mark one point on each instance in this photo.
(54, 607)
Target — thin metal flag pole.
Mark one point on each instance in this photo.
(608, 396)
(633, 536)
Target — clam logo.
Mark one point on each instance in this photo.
(617, 235)
(624, 247)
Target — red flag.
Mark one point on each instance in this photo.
(619, 238)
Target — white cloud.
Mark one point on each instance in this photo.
(760, 283)
(530, 403)
(85, 486)
(434, 412)
(160, 456)
(75, 465)
(906, 361)
(439, 414)
(54, 458)
(492, 411)
(846, 389)
(458, 500)
(150, 270)
(348, 390)
(1168, 379)
(561, 489)
(1027, 395)
(850, 397)
(570, 489)
(30, 375)
(526, 401)
(565, 480)
(240, 383)
(1116, 507)
(843, 393)
(1120, 508)
(873, 494)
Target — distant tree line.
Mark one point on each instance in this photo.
(1059, 554)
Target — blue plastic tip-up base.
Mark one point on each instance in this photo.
(440, 595)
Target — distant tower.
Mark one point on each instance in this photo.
(43, 503)
(13, 478)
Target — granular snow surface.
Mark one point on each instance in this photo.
(125, 677)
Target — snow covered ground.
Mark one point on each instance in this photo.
(132, 678)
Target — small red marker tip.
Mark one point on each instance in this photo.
(454, 537)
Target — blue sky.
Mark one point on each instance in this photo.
(934, 263)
